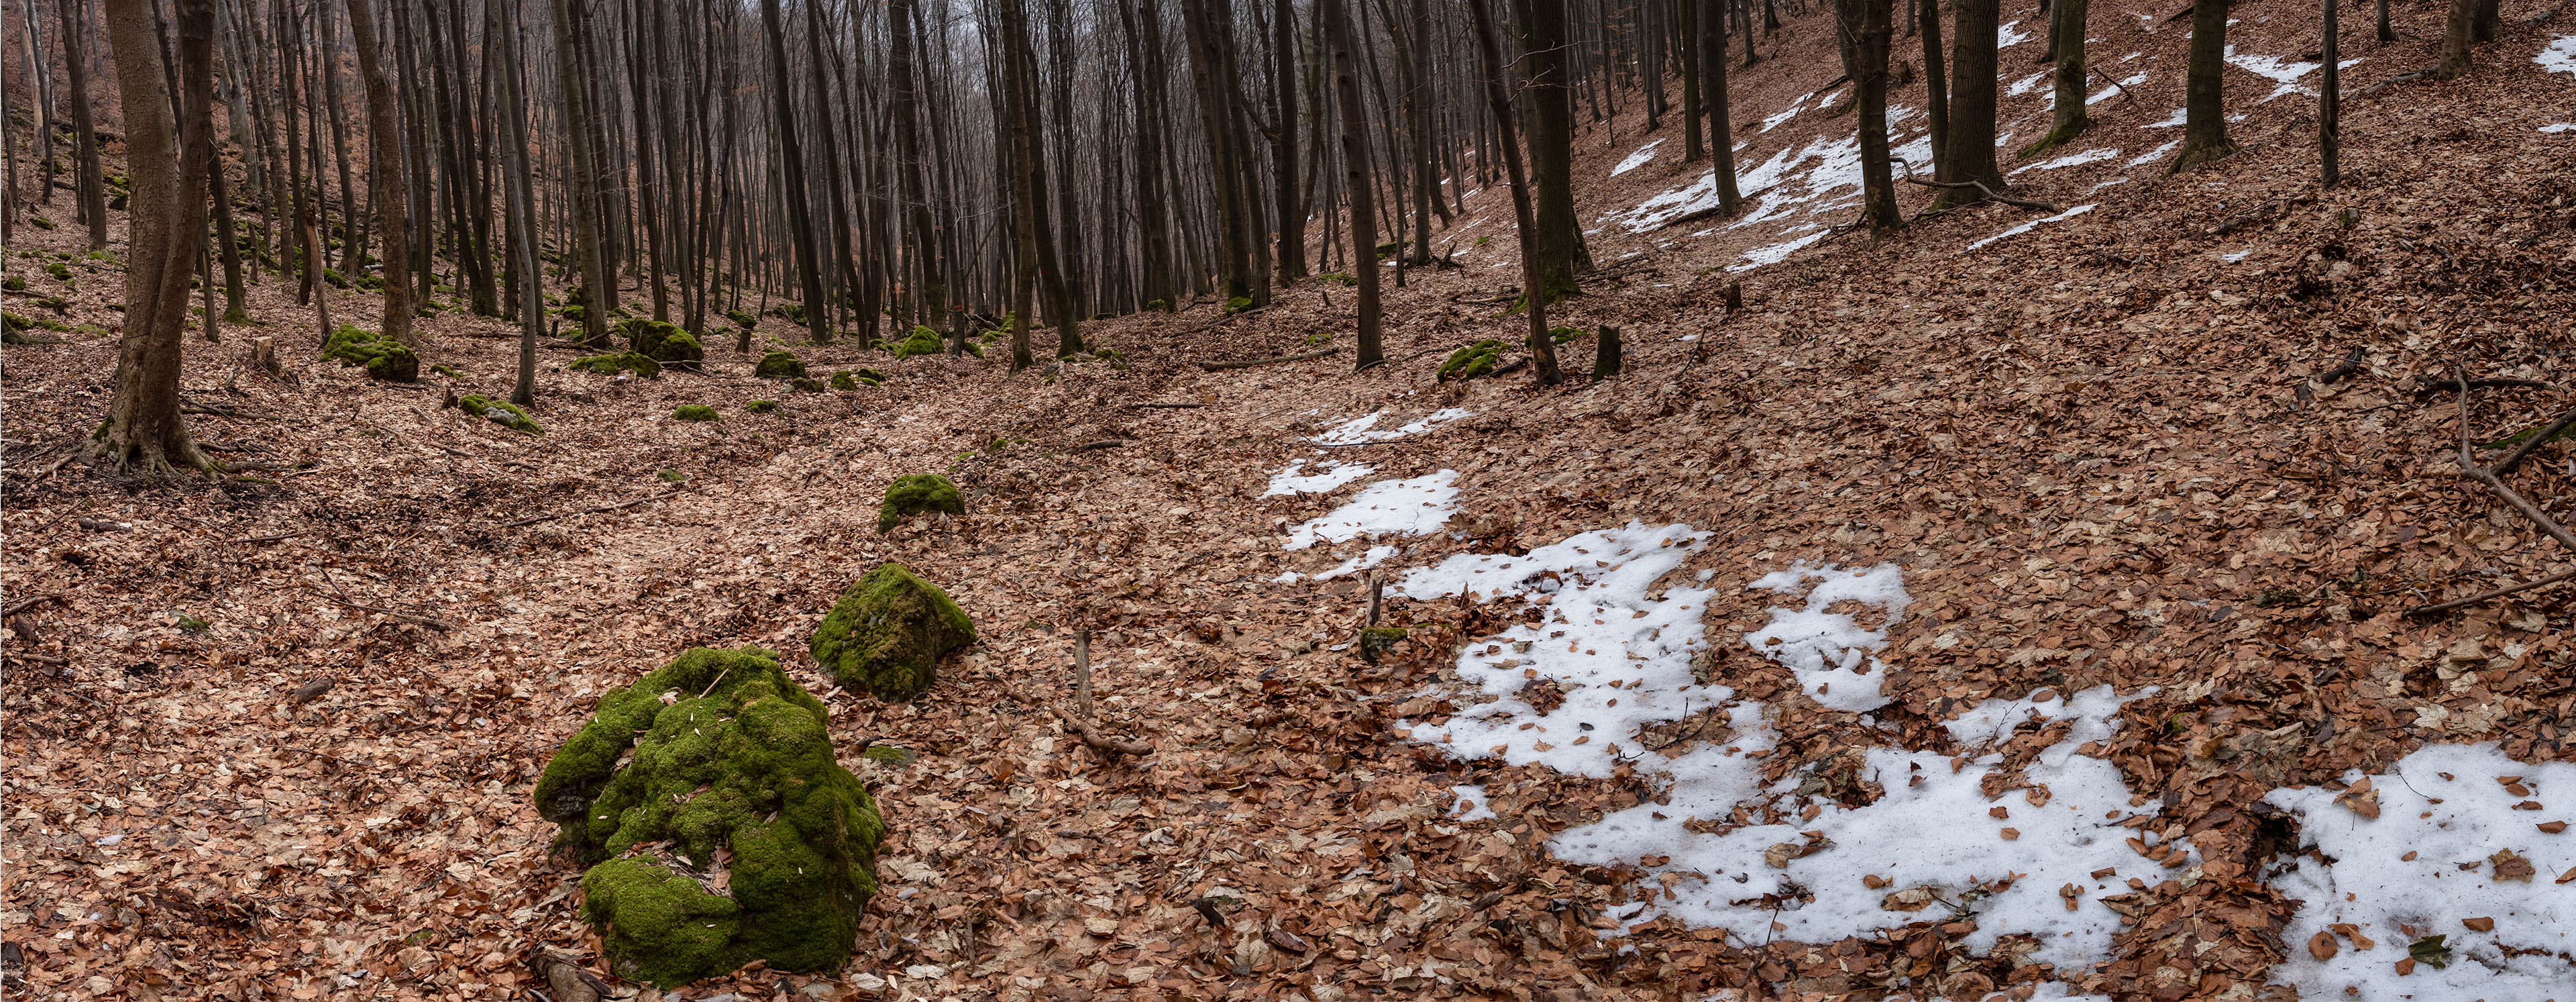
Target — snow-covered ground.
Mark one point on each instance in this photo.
(1387, 508)
(1364, 428)
(1329, 476)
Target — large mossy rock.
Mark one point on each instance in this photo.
(780, 365)
(915, 494)
(1473, 360)
(663, 342)
(922, 341)
(888, 632)
(719, 750)
(384, 357)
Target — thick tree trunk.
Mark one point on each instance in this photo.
(168, 168)
(2069, 119)
(1020, 78)
(1355, 166)
(385, 174)
(1691, 53)
(1144, 59)
(501, 29)
(1970, 149)
(800, 220)
(2204, 131)
(1498, 97)
(926, 258)
(1721, 132)
(2459, 33)
(1559, 240)
(1207, 39)
(1283, 146)
(1867, 26)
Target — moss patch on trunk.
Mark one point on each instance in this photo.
(888, 632)
(719, 750)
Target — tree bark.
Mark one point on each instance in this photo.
(795, 200)
(385, 175)
(1721, 131)
(2330, 105)
(1561, 252)
(501, 28)
(1355, 166)
(2069, 120)
(1866, 25)
(90, 185)
(1971, 139)
(597, 285)
(1936, 92)
(2204, 131)
(1283, 147)
(2458, 35)
(1498, 97)
(168, 167)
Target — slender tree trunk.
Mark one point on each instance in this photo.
(1207, 40)
(927, 255)
(168, 167)
(385, 178)
(1020, 73)
(800, 222)
(501, 28)
(90, 191)
(1355, 168)
(1498, 96)
(1721, 131)
(231, 245)
(2387, 34)
(1866, 26)
(2204, 130)
(1687, 28)
(2330, 105)
(353, 245)
(1144, 59)
(1283, 145)
(598, 286)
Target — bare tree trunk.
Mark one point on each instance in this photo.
(1865, 25)
(2330, 105)
(1970, 150)
(168, 167)
(1355, 166)
(1561, 253)
(1283, 145)
(90, 191)
(1020, 79)
(1936, 93)
(2204, 131)
(926, 256)
(1498, 96)
(501, 29)
(2458, 34)
(1721, 131)
(800, 222)
(598, 286)
(2069, 121)
(385, 176)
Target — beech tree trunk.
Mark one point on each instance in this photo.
(1498, 97)
(385, 175)
(2069, 120)
(2204, 131)
(1868, 25)
(89, 184)
(1561, 252)
(168, 167)
(1356, 174)
(1970, 147)
(1721, 132)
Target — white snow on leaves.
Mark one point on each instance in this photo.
(1637, 159)
(1411, 507)
(1329, 476)
(1364, 428)
(1825, 649)
(2032, 225)
(2559, 56)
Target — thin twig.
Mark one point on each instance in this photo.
(1989, 192)
(2427, 610)
(2469, 465)
(2535, 441)
(24, 605)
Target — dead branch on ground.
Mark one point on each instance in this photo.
(1251, 362)
(2468, 461)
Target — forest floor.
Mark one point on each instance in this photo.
(2106, 531)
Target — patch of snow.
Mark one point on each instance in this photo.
(2006, 37)
(2026, 84)
(1776, 253)
(1387, 508)
(1364, 428)
(2032, 225)
(1774, 121)
(2235, 257)
(1376, 555)
(2131, 56)
(2070, 160)
(2560, 127)
(1620, 657)
(1637, 159)
(1471, 805)
(2106, 184)
(2154, 155)
(2179, 117)
(1825, 649)
(1786, 182)
(2108, 92)
(2559, 56)
(1328, 475)
(2429, 859)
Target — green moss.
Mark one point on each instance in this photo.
(888, 632)
(1564, 334)
(335, 278)
(371, 283)
(761, 406)
(16, 322)
(793, 313)
(384, 357)
(610, 365)
(869, 376)
(55, 303)
(1377, 640)
(695, 412)
(1158, 305)
(842, 380)
(805, 384)
(1388, 249)
(1473, 360)
(573, 313)
(780, 365)
(448, 371)
(922, 341)
(662, 342)
(1116, 359)
(40, 222)
(895, 756)
(500, 412)
(1238, 304)
(915, 494)
(727, 752)
(59, 270)
(673, 477)
(744, 319)
(1342, 277)
(14, 283)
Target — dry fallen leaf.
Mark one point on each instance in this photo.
(2481, 924)
(2322, 946)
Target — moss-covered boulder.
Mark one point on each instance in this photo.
(695, 412)
(806, 384)
(718, 752)
(744, 319)
(500, 412)
(780, 365)
(888, 632)
(915, 494)
(922, 341)
(383, 357)
(626, 361)
(793, 313)
(1473, 360)
(761, 406)
(662, 342)
(842, 380)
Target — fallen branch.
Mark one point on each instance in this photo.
(1154, 407)
(2469, 465)
(2427, 610)
(2106, 78)
(1251, 362)
(1227, 319)
(1989, 192)
(2422, 74)
(343, 598)
(2422, 386)
(2351, 364)
(2539, 438)
(265, 539)
(26, 604)
(589, 511)
(1081, 723)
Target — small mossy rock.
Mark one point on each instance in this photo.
(744, 319)
(917, 493)
(805, 384)
(888, 632)
(383, 357)
(1238, 304)
(500, 412)
(695, 412)
(842, 380)
(780, 365)
(1473, 360)
(869, 376)
(662, 342)
(14, 283)
(793, 313)
(761, 406)
(891, 756)
(59, 270)
(448, 371)
(610, 365)
(726, 752)
(1377, 640)
(922, 341)
(1563, 335)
